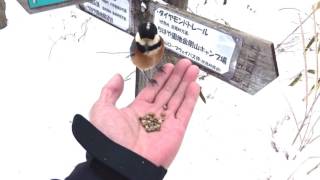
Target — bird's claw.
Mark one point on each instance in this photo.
(153, 82)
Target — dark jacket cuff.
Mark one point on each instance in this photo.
(109, 154)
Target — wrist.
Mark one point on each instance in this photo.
(113, 155)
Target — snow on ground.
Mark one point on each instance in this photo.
(50, 70)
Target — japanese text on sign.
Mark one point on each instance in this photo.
(115, 12)
(203, 45)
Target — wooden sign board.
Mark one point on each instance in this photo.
(119, 13)
(240, 59)
(36, 6)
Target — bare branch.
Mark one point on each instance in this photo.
(314, 168)
(301, 23)
(85, 26)
(63, 37)
(302, 163)
(128, 77)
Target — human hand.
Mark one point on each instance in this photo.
(175, 88)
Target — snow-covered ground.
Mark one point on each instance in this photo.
(50, 70)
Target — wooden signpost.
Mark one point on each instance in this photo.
(3, 18)
(240, 59)
(36, 6)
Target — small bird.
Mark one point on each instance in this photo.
(147, 48)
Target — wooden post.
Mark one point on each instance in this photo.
(169, 56)
(254, 61)
(3, 19)
(183, 4)
(240, 59)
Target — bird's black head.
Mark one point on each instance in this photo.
(147, 30)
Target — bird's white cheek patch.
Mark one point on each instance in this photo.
(139, 40)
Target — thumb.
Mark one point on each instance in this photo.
(112, 90)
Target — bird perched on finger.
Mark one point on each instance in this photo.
(147, 48)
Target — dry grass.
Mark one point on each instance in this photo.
(307, 127)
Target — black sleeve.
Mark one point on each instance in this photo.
(108, 160)
(94, 170)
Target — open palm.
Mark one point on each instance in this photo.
(174, 95)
